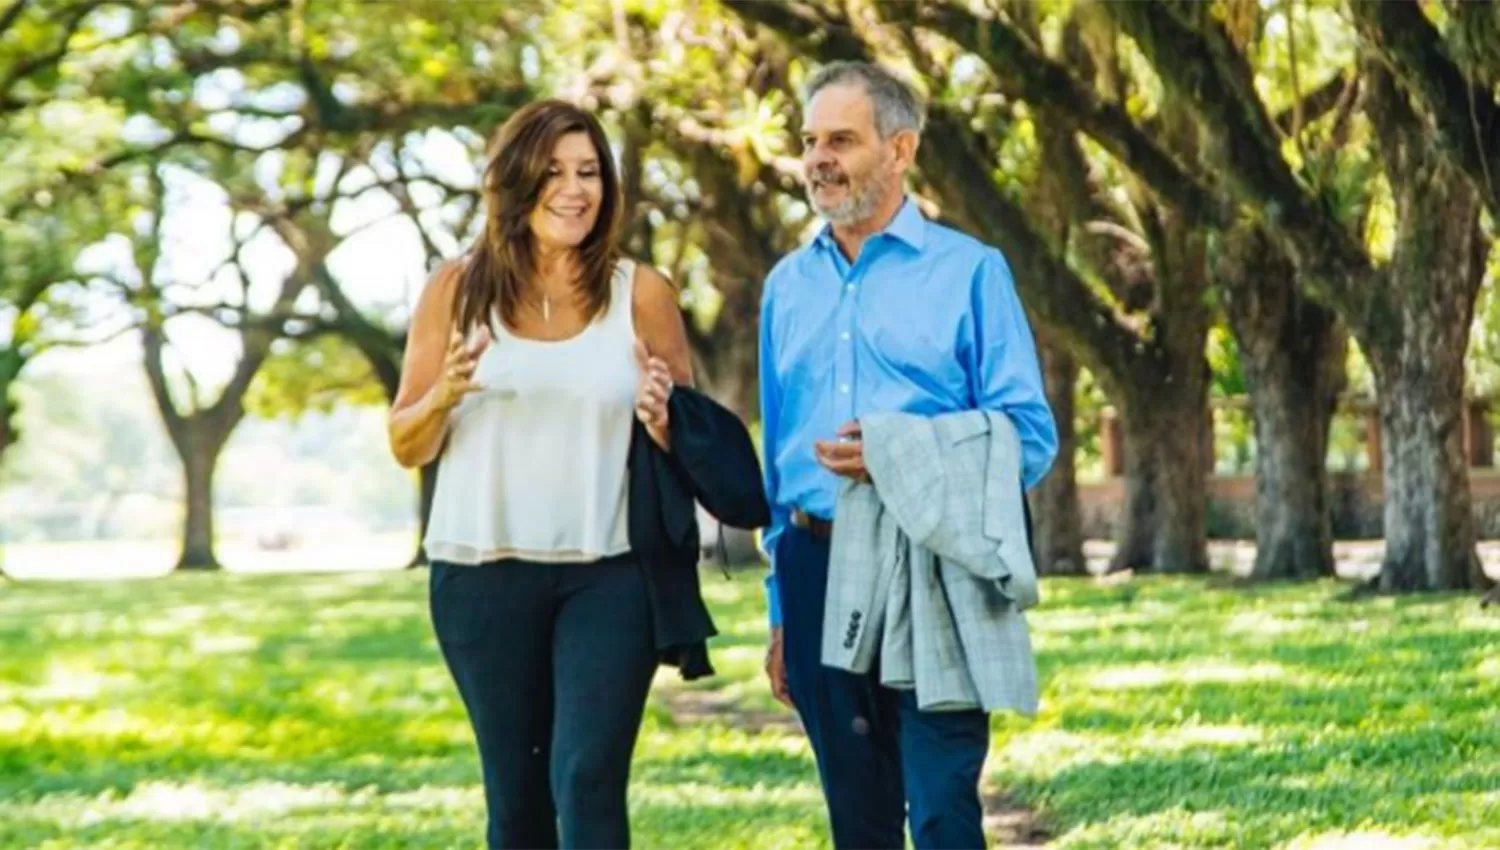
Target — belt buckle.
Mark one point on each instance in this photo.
(817, 526)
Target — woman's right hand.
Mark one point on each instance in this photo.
(457, 378)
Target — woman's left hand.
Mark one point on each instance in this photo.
(652, 392)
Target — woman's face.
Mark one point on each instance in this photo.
(569, 204)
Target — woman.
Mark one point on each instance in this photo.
(523, 372)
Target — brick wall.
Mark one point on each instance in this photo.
(1356, 505)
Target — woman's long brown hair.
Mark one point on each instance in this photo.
(503, 259)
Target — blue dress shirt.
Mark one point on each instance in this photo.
(925, 321)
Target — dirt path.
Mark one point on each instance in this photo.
(1009, 823)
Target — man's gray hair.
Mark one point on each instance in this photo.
(896, 104)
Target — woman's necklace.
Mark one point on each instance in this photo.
(546, 304)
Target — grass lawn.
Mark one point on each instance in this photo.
(313, 711)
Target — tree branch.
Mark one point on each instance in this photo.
(381, 347)
(1317, 103)
(951, 158)
(1468, 122)
(822, 34)
(153, 343)
(22, 70)
(255, 345)
(402, 194)
(1050, 85)
(69, 342)
(1298, 116)
(776, 170)
(1052, 289)
(1066, 200)
(11, 14)
(1206, 69)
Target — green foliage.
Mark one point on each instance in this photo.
(1224, 359)
(10, 366)
(1326, 45)
(1361, 381)
(318, 374)
(1089, 402)
(1483, 372)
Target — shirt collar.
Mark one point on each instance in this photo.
(909, 226)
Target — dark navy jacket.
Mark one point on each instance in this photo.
(712, 463)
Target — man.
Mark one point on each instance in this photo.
(884, 311)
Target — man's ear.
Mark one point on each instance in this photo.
(906, 143)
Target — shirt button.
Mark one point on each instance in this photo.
(844, 336)
(848, 287)
(844, 388)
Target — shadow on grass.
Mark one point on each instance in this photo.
(727, 770)
(307, 711)
(1283, 789)
(1184, 714)
(265, 711)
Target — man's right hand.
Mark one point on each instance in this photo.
(776, 669)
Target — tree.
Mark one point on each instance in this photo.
(1292, 352)
(1411, 315)
(47, 125)
(1087, 93)
(1058, 525)
(1453, 78)
(289, 88)
(198, 427)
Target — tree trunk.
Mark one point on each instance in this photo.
(200, 455)
(426, 488)
(1163, 399)
(1055, 513)
(1416, 348)
(1135, 535)
(1292, 351)
(733, 352)
(1162, 523)
(386, 361)
(198, 438)
(11, 362)
(1429, 523)
(1293, 406)
(384, 355)
(739, 233)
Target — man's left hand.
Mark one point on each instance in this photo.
(845, 456)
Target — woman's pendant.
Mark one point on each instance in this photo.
(546, 310)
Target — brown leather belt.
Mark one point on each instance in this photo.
(816, 526)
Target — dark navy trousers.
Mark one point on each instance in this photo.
(880, 760)
(554, 662)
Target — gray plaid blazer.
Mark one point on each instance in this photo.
(930, 567)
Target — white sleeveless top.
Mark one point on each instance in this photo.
(535, 466)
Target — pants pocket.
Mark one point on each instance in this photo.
(461, 613)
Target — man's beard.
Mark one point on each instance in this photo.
(860, 202)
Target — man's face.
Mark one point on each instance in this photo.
(847, 167)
